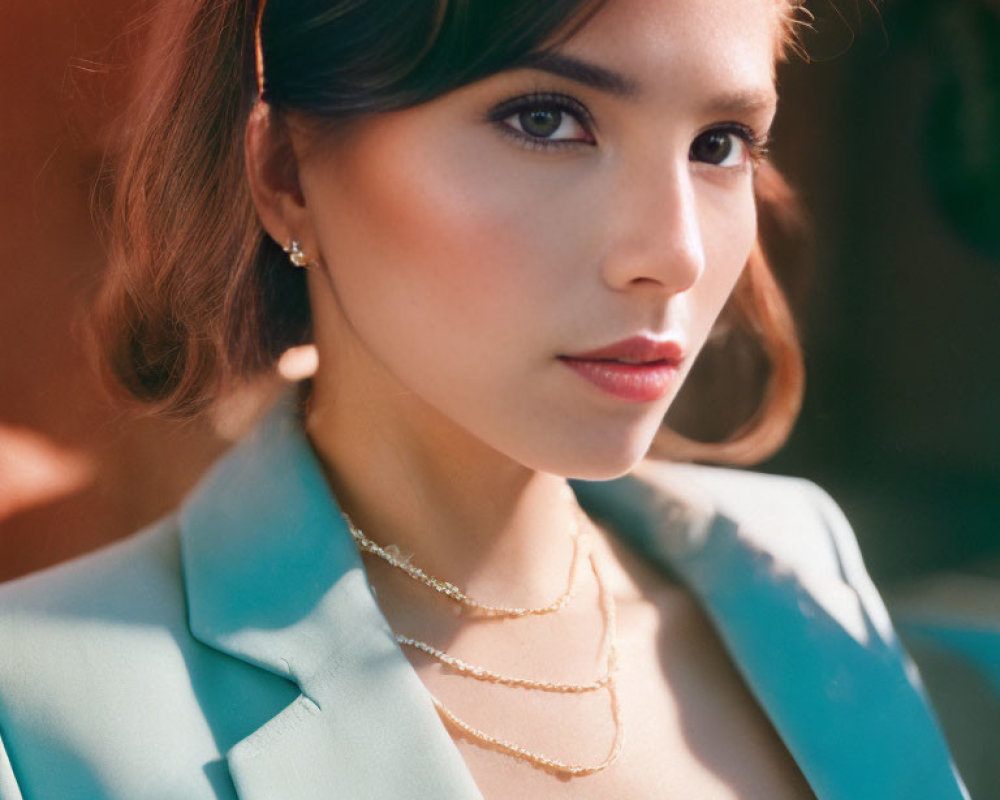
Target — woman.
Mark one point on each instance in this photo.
(508, 228)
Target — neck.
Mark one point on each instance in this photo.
(465, 512)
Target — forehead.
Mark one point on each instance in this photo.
(713, 45)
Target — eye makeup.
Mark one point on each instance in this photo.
(754, 144)
(532, 102)
(561, 104)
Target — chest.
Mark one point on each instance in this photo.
(690, 727)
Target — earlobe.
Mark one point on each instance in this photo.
(273, 177)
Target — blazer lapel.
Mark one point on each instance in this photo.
(831, 676)
(273, 578)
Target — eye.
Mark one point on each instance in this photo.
(730, 146)
(545, 123)
(544, 120)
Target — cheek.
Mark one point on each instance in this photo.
(418, 222)
(729, 232)
(432, 229)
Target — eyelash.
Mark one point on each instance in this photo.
(756, 144)
(548, 101)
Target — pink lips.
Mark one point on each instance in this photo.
(638, 369)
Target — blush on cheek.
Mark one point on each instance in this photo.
(422, 247)
(429, 197)
(444, 221)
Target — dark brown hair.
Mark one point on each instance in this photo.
(198, 298)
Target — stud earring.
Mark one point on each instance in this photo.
(296, 254)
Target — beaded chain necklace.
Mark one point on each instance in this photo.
(608, 681)
(391, 555)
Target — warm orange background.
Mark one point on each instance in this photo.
(74, 472)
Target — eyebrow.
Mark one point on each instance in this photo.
(744, 102)
(584, 72)
(607, 80)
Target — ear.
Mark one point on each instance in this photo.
(273, 176)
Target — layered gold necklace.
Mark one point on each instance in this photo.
(608, 681)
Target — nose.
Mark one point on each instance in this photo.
(657, 241)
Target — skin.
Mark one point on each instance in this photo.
(454, 260)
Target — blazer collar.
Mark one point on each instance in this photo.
(273, 578)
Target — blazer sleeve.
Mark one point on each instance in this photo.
(8, 783)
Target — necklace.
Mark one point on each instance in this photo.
(483, 674)
(491, 676)
(547, 762)
(608, 681)
(391, 556)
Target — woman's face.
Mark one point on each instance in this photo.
(477, 243)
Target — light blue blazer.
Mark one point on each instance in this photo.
(235, 650)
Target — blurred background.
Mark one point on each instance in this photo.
(891, 136)
(74, 472)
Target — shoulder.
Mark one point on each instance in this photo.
(774, 564)
(88, 651)
(104, 689)
(127, 578)
(782, 527)
(104, 612)
(792, 519)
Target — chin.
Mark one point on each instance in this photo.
(604, 459)
(593, 470)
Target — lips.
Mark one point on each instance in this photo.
(638, 369)
(635, 350)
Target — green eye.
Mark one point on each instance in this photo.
(540, 122)
(544, 120)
